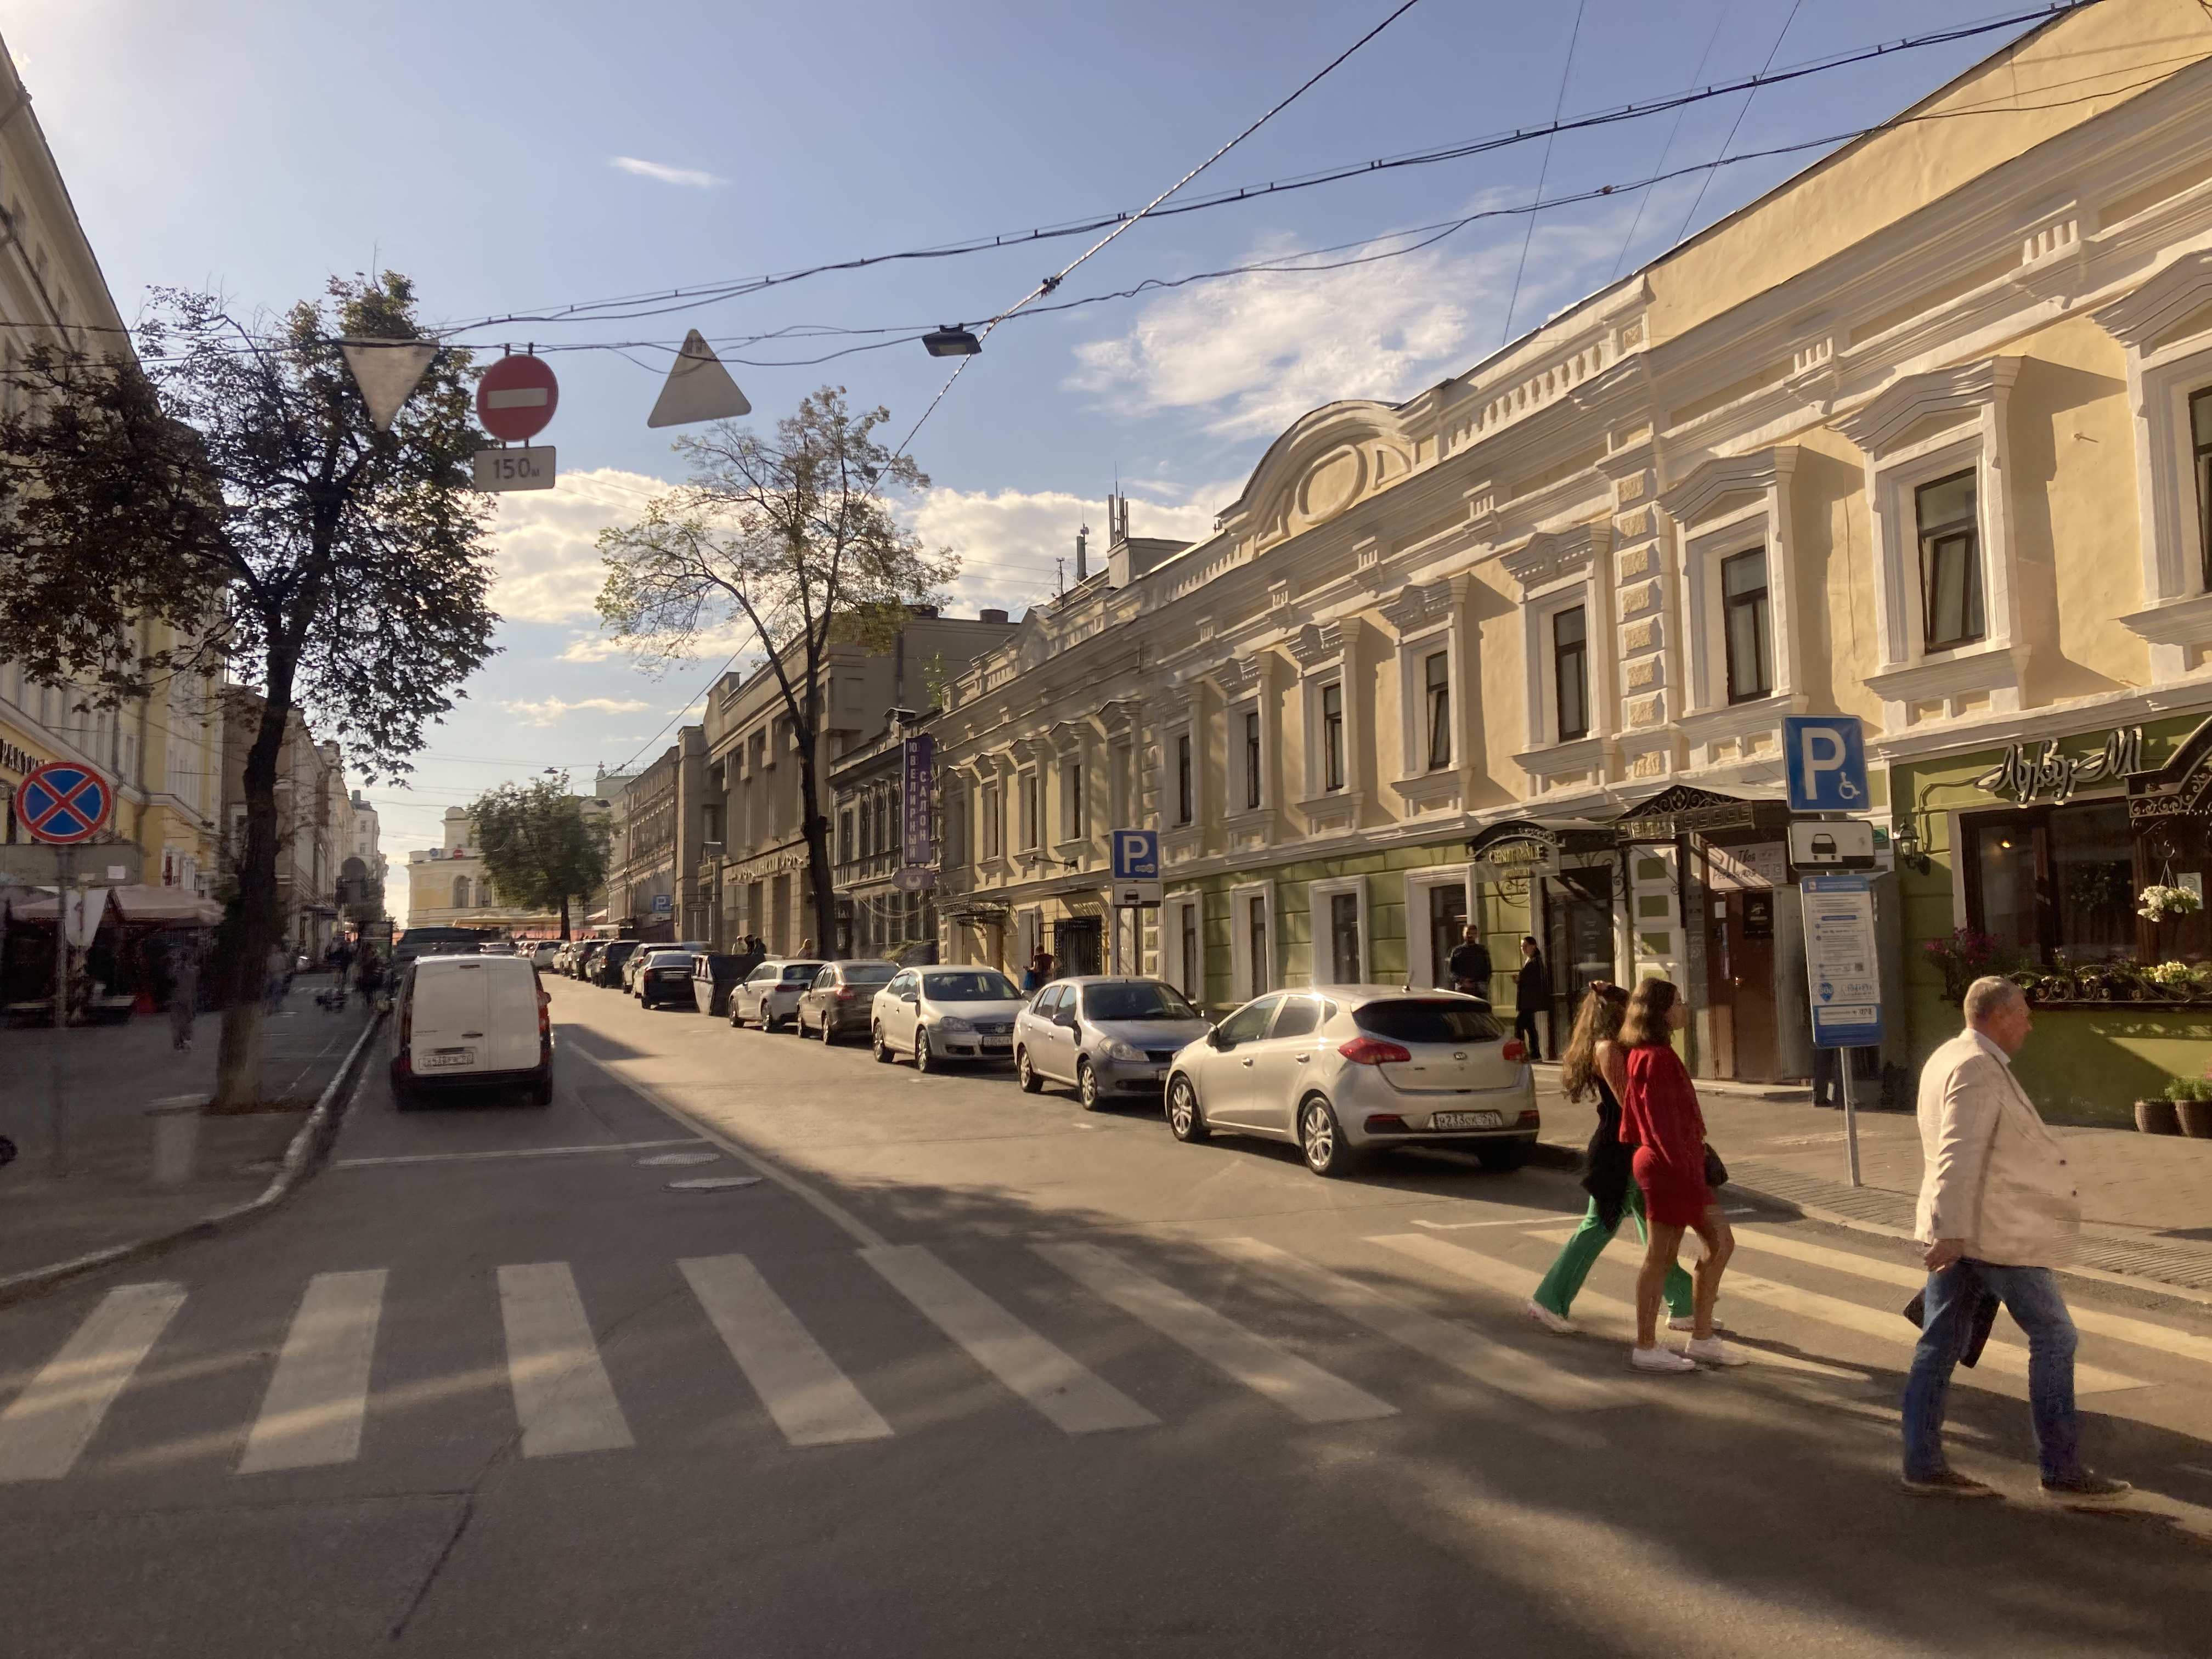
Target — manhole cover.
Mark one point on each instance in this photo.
(712, 1183)
(666, 1159)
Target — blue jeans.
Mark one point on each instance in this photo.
(2031, 1296)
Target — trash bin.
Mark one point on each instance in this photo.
(176, 1139)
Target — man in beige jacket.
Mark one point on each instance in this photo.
(1998, 1212)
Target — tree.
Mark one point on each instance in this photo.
(228, 482)
(793, 540)
(538, 848)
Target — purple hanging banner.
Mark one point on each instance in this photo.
(918, 786)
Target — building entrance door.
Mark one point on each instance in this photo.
(1077, 943)
(1446, 921)
(1740, 984)
(1577, 941)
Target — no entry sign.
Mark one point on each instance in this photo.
(516, 399)
(62, 802)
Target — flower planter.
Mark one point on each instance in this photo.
(2196, 1117)
(2157, 1117)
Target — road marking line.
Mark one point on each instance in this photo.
(312, 1411)
(518, 1152)
(1072, 1396)
(812, 1401)
(562, 1395)
(1300, 1387)
(47, 1426)
(1590, 1308)
(1472, 1355)
(1999, 1355)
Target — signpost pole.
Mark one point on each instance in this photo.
(62, 860)
(1851, 1114)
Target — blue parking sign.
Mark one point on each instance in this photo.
(1826, 759)
(1136, 855)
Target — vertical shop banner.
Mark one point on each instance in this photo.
(1842, 971)
(917, 792)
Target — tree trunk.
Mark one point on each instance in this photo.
(564, 918)
(238, 1064)
(816, 826)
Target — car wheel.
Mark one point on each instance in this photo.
(924, 1060)
(736, 1014)
(768, 1021)
(541, 1092)
(883, 1049)
(1503, 1156)
(1322, 1140)
(829, 1032)
(1087, 1087)
(1025, 1074)
(1186, 1117)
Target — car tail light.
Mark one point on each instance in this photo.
(1385, 1123)
(1531, 1118)
(1373, 1051)
(844, 993)
(545, 1016)
(1514, 1052)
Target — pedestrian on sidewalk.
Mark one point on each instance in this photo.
(279, 980)
(1998, 1212)
(1469, 964)
(183, 998)
(1660, 1118)
(1532, 995)
(1594, 1063)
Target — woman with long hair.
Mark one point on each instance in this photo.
(1594, 1061)
(1661, 1120)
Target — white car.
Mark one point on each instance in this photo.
(545, 955)
(770, 994)
(473, 1020)
(1340, 1070)
(937, 1014)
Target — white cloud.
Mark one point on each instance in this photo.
(549, 711)
(547, 542)
(690, 177)
(1008, 539)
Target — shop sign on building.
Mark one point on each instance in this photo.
(1515, 857)
(2032, 772)
(917, 791)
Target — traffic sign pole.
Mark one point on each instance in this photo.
(58, 1110)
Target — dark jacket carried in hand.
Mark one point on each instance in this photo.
(1470, 964)
(1533, 989)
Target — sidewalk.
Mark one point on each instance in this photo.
(104, 1193)
(2146, 1200)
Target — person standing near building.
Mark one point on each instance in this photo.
(1998, 1212)
(1532, 995)
(183, 998)
(1469, 965)
(279, 980)
(1661, 1120)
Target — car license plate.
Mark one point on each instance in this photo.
(1466, 1121)
(990, 1045)
(451, 1057)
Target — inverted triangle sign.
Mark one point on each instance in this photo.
(387, 372)
(698, 388)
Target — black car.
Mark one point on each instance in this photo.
(607, 966)
(665, 976)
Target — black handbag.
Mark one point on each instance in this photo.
(1716, 1172)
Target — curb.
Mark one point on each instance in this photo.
(301, 1158)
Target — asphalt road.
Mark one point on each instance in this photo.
(969, 1372)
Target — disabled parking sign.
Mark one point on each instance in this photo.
(1826, 760)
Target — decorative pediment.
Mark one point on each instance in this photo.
(2155, 313)
(1331, 459)
(1413, 608)
(1317, 643)
(1958, 393)
(1237, 677)
(1117, 720)
(1552, 556)
(1711, 484)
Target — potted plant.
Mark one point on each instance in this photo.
(2162, 1115)
(2195, 1109)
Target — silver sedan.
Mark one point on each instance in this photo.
(1109, 1037)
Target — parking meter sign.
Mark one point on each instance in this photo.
(1825, 754)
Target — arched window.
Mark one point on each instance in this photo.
(460, 894)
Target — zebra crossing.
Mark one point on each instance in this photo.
(318, 1407)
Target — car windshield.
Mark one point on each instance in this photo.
(1431, 1020)
(863, 974)
(984, 986)
(667, 958)
(801, 971)
(1145, 999)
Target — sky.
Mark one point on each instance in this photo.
(518, 159)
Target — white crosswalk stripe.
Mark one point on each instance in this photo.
(1300, 1387)
(1068, 1395)
(312, 1413)
(47, 1426)
(562, 1393)
(813, 1402)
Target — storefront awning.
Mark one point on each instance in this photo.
(1684, 809)
(139, 904)
(1522, 847)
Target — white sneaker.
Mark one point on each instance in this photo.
(1550, 1320)
(1660, 1360)
(1711, 1351)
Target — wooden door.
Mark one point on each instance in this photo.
(1750, 971)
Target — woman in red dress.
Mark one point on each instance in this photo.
(1659, 1117)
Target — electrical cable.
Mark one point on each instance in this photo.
(1543, 173)
(1697, 200)
(1643, 200)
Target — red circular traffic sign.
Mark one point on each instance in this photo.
(62, 802)
(516, 398)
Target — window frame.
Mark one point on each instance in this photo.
(1186, 778)
(2200, 454)
(1557, 653)
(1761, 601)
(1027, 810)
(1436, 709)
(1331, 725)
(2035, 821)
(1321, 896)
(1243, 899)
(1255, 757)
(1928, 538)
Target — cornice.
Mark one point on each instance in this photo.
(2179, 288)
(1547, 555)
(1877, 424)
(1727, 474)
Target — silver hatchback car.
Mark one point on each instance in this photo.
(1108, 1037)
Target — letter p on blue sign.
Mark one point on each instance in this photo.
(1136, 855)
(1826, 758)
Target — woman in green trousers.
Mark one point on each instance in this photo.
(1592, 1061)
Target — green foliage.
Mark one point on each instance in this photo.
(539, 848)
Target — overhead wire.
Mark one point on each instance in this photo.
(1643, 199)
(1697, 200)
(1543, 172)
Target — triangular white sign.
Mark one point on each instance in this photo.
(387, 372)
(698, 388)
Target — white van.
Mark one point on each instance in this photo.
(479, 1022)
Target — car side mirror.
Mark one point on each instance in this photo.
(1064, 1019)
(1213, 1038)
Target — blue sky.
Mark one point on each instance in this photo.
(514, 157)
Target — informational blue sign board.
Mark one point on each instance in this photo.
(663, 904)
(1842, 973)
(1826, 759)
(1136, 855)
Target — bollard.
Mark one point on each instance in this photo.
(176, 1139)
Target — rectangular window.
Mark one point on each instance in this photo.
(1436, 673)
(2199, 444)
(1252, 759)
(994, 825)
(1332, 736)
(1950, 562)
(1744, 621)
(1071, 802)
(1186, 801)
(1571, 673)
(1028, 810)
(1256, 942)
(845, 847)
(2056, 881)
(1344, 938)
(1446, 921)
(1192, 986)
